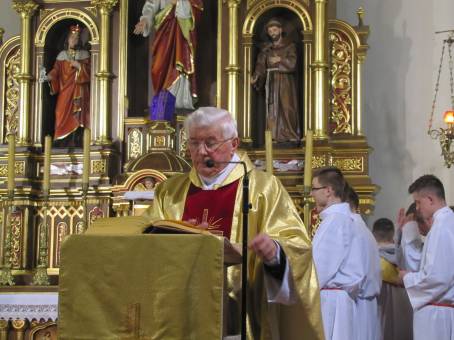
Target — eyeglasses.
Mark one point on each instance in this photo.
(317, 188)
(209, 145)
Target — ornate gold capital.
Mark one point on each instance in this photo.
(2, 31)
(26, 8)
(104, 5)
(233, 3)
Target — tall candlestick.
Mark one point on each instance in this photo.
(86, 164)
(308, 159)
(269, 151)
(46, 169)
(11, 162)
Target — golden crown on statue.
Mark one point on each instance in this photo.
(75, 29)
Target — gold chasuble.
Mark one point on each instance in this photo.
(274, 213)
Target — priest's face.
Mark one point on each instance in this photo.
(210, 144)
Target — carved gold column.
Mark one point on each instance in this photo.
(363, 33)
(4, 326)
(19, 327)
(320, 70)
(25, 9)
(233, 67)
(104, 75)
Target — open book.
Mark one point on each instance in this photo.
(130, 225)
(136, 225)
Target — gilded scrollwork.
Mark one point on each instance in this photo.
(99, 167)
(341, 83)
(62, 231)
(349, 164)
(183, 143)
(19, 169)
(318, 162)
(44, 12)
(159, 141)
(16, 221)
(12, 68)
(93, 10)
(79, 228)
(69, 215)
(135, 143)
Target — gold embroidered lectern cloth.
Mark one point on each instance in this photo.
(141, 287)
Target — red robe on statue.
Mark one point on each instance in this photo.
(73, 89)
(173, 52)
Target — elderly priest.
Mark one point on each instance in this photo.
(280, 267)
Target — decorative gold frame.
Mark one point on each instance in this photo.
(41, 33)
(254, 12)
(5, 51)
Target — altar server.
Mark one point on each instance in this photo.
(431, 289)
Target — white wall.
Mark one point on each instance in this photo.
(399, 79)
(9, 20)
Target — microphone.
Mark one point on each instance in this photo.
(246, 206)
(210, 163)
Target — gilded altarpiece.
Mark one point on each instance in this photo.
(126, 147)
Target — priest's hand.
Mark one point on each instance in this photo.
(264, 247)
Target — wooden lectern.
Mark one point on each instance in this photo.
(144, 286)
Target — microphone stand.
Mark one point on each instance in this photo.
(244, 268)
(246, 206)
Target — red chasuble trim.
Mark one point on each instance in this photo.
(212, 206)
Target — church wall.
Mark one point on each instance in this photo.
(9, 20)
(399, 78)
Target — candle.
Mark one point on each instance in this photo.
(86, 164)
(269, 151)
(308, 160)
(46, 170)
(11, 161)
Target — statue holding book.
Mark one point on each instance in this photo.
(210, 197)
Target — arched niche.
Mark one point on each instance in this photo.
(50, 39)
(297, 25)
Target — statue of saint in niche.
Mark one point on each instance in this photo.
(275, 72)
(69, 79)
(174, 46)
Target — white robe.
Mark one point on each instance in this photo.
(434, 282)
(340, 277)
(368, 325)
(409, 247)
